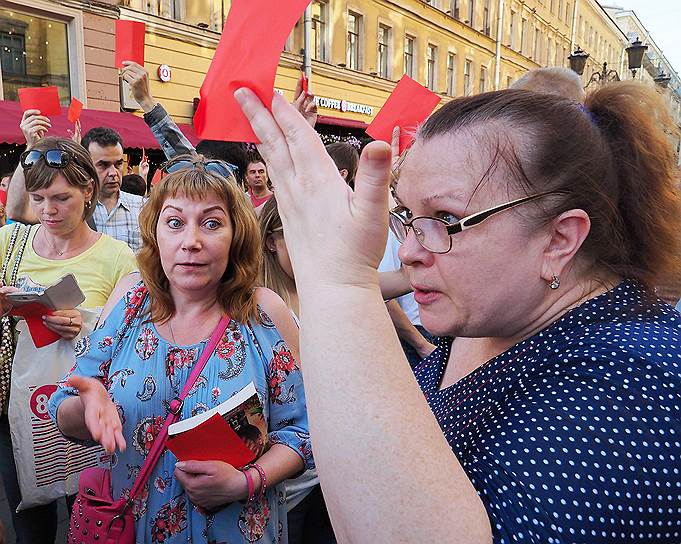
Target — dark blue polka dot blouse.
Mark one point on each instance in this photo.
(574, 435)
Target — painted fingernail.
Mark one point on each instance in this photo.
(240, 94)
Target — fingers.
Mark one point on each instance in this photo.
(395, 144)
(195, 467)
(373, 178)
(65, 323)
(299, 87)
(272, 145)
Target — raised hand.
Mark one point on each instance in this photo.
(335, 237)
(101, 417)
(34, 126)
(305, 104)
(138, 78)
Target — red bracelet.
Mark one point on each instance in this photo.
(263, 478)
(249, 482)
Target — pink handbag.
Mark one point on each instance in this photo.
(96, 517)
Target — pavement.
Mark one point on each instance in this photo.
(6, 518)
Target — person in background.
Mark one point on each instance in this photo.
(346, 158)
(551, 410)
(555, 80)
(116, 212)
(134, 184)
(199, 262)
(61, 182)
(258, 182)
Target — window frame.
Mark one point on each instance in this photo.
(411, 55)
(359, 19)
(431, 66)
(384, 50)
(451, 74)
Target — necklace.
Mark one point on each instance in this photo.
(172, 335)
(60, 253)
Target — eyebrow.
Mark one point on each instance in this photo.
(451, 195)
(212, 208)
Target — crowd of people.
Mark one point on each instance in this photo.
(459, 343)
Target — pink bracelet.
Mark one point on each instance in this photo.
(249, 482)
(263, 478)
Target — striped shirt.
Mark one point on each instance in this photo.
(123, 221)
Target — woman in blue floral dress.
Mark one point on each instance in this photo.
(199, 262)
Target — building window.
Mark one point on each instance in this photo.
(431, 68)
(451, 74)
(509, 82)
(455, 9)
(511, 37)
(486, 27)
(320, 17)
(535, 48)
(561, 4)
(409, 46)
(354, 44)
(567, 12)
(34, 52)
(483, 79)
(549, 51)
(467, 86)
(471, 13)
(523, 36)
(204, 13)
(384, 39)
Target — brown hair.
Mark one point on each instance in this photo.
(346, 157)
(79, 172)
(235, 293)
(271, 274)
(611, 158)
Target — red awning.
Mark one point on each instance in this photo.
(340, 122)
(133, 130)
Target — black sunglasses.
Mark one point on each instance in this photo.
(55, 158)
(221, 168)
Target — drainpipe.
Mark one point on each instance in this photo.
(500, 29)
(573, 34)
(307, 56)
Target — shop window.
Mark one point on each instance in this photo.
(34, 52)
(320, 17)
(431, 67)
(384, 39)
(354, 40)
(409, 46)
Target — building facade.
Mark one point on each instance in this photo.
(358, 48)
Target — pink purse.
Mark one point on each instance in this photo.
(96, 517)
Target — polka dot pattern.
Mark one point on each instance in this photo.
(574, 435)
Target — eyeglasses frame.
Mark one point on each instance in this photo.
(467, 222)
(43, 156)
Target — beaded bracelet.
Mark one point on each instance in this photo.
(263, 478)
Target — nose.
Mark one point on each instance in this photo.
(49, 208)
(112, 171)
(191, 241)
(412, 252)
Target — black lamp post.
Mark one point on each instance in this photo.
(635, 54)
(662, 79)
(578, 60)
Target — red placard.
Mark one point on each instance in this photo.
(407, 107)
(45, 99)
(305, 82)
(3, 197)
(74, 110)
(33, 314)
(244, 58)
(129, 42)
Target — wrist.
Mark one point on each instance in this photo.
(147, 104)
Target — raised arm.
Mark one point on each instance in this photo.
(387, 471)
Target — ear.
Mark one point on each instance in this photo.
(88, 191)
(567, 234)
(344, 173)
(269, 243)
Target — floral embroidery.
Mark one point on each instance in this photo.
(106, 343)
(145, 433)
(146, 344)
(170, 520)
(133, 303)
(179, 358)
(281, 365)
(215, 393)
(231, 349)
(253, 519)
(82, 347)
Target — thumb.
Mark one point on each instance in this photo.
(373, 178)
(79, 382)
(193, 467)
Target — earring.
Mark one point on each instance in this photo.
(88, 204)
(555, 282)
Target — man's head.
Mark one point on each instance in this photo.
(553, 80)
(346, 158)
(106, 150)
(256, 174)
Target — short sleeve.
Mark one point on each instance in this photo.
(126, 263)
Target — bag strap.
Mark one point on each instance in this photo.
(175, 410)
(20, 254)
(10, 250)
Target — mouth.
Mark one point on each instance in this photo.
(50, 222)
(423, 295)
(192, 265)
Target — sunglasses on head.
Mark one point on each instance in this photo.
(220, 168)
(55, 158)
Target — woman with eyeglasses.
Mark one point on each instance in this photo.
(61, 182)
(534, 230)
(199, 263)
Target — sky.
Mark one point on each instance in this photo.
(662, 18)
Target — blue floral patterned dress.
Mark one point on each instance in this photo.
(143, 372)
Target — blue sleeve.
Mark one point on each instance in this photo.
(167, 133)
(285, 394)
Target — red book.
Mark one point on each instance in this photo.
(234, 432)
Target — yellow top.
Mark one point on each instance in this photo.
(97, 269)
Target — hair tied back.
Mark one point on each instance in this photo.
(591, 115)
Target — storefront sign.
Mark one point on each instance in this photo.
(343, 105)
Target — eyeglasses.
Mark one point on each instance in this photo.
(435, 234)
(220, 168)
(55, 158)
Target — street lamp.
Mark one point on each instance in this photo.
(635, 54)
(604, 76)
(662, 79)
(578, 60)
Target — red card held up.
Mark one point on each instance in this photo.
(3, 197)
(305, 82)
(213, 440)
(244, 58)
(33, 314)
(74, 110)
(129, 42)
(45, 99)
(407, 107)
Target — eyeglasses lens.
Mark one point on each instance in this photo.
(397, 227)
(222, 169)
(56, 158)
(178, 165)
(432, 234)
